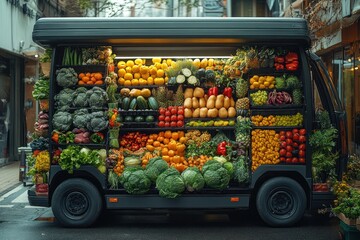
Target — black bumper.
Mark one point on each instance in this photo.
(322, 200)
(36, 199)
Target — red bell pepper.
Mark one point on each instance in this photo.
(213, 91)
(228, 92)
(279, 59)
(291, 56)
(221, 148)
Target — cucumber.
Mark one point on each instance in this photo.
(153, 103)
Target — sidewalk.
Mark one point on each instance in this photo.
(9, 176)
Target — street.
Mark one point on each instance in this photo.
(20, 221)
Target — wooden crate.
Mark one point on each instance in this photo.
(348, 221)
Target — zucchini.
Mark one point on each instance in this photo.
(180, 79)
(186, 72)
(193, 80)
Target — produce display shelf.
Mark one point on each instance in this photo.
(282, 106)
(138, 112)
(87, 108)
(88, 86)
(85, 68)
(141, 86)
(211, 128)
(278, 128)
(151, 129)
(209, 119)
(270, 90)
(89, 145)
(271, 71)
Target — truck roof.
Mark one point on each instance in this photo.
(132, 31)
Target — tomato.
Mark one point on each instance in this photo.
(167, 119)
(173, 118)
(167, 124)
(296, 137)
(180, 123)
(162, 111)
(302, 139)
(283, 144)
(282, 133)
(173, 124)
(302, 146)
(282, 159)
(161, 124)
(282, 138)
(180, 111)
(282, 152)
(180, 117)
(288, 160)
(295, 145)
(295, 130)
(301, 160)
(289, 141)
(173, 111)
(288, 155)
(161, 117)
(301, 153)
(180, 108)
(288, 134)
(302, 131)
(294, 160)
(167, 113)
(289, 148)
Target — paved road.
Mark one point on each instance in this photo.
(20, 221)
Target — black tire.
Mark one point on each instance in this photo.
(281, 202)
(76, 203)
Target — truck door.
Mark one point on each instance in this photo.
(326, 97)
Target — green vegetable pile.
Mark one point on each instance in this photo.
(41, 88)
(62, 121)
(193, 179)
(64, 98)
(80, 97)
(155, 167)
(81, 118)
(170, 183)
(66, 77)
(215, 175)
(135, 181)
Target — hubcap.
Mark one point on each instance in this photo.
(281, 204)
(76, 204)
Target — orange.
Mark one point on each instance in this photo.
(167, 134)
(175, 136)
(171, 153)
(182, 140)
(164, 152)
(130, 63)
(156, 144)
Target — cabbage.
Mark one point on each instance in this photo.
(193, 179)
(102, 154)
(220, 159)
(85, 150)
(230, 168)
(215, 175)
(155, 167)
(135, 181)
(170, 183)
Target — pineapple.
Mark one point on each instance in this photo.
(242, 103)
(161, 94)
(252, 59)
(179, 96)
(241, 88)
(297, 96)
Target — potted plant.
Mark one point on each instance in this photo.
(348, 207)
(353, 171)
(45, 62)
(323, 158)
(41, 92)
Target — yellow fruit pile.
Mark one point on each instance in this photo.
(42, 163)
(262, 82)
(265, 146)
(259, 120)
(135, 73)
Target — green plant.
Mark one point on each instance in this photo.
(350, 205)
(353, 172)
(46, 57)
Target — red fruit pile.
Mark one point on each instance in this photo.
(172, 116)
(292, 146)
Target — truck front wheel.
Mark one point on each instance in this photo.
(281, 201)
(76, 203)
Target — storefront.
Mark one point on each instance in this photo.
(343, 63)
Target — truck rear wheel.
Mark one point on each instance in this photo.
(76, 203)
(281, 202)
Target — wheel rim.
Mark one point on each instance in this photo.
(76, 204)
(281, 204)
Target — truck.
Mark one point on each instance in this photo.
(232, 106)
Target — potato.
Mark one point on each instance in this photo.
(223, 113)
(231, 112)
(188, 103)
(226, 102)
(203, 112)
(195, 102)
(196, 113)
(188, 93)
(211, 102)
(202, 102)
(187, 113)
(213, 113)
(198, 92)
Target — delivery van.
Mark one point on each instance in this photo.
(186, 113)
